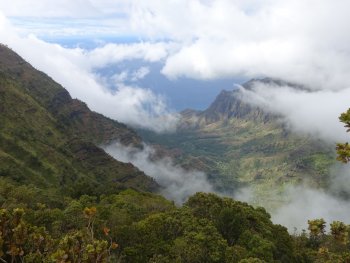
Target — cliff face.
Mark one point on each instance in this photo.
(49, 139)
(228, 104)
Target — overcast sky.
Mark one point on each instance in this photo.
(303, 41)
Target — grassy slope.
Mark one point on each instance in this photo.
(48, 139)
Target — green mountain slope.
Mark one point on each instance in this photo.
(238, 144)
(49, 139)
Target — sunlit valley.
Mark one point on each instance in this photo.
(174, 131)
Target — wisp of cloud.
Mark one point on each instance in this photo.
(177, 183)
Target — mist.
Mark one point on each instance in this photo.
(308, 203)
(177, 183)
(302, 202)
(307, 112)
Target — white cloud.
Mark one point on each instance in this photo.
(120, 77)
(125, 75)
(306, 204)
(296, 40)
(140, 73)
(311, 112)
(113, 53)
(63, 8)
(177, 183)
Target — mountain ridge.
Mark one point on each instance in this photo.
(229, 104)
(50, 140)
(58, 101)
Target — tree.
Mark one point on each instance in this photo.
(340, 232)
(343, 149)
(317, 227)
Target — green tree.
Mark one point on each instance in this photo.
(317, 227)
(340, 232)
(343, 149)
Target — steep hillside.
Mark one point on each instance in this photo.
(239, 144)
(49, 139)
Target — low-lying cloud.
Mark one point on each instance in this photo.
(307, 203)
(300, 203)
(177, 183)
(313, 112)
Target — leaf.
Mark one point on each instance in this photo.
(106, 230)
(114, 245)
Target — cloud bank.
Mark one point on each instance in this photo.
(305, 111)
(296, 40)
(177, 183)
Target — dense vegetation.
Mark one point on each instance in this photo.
(41, 226)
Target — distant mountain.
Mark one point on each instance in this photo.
(229, 104)
(50, 140)
(240, 144)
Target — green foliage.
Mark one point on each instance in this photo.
(340, 232)
(19, 240)
(252, 260)
(343, 149)
(333, 247)
(319, 246)
(317, 227)
(139, 227)
(241, 224)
